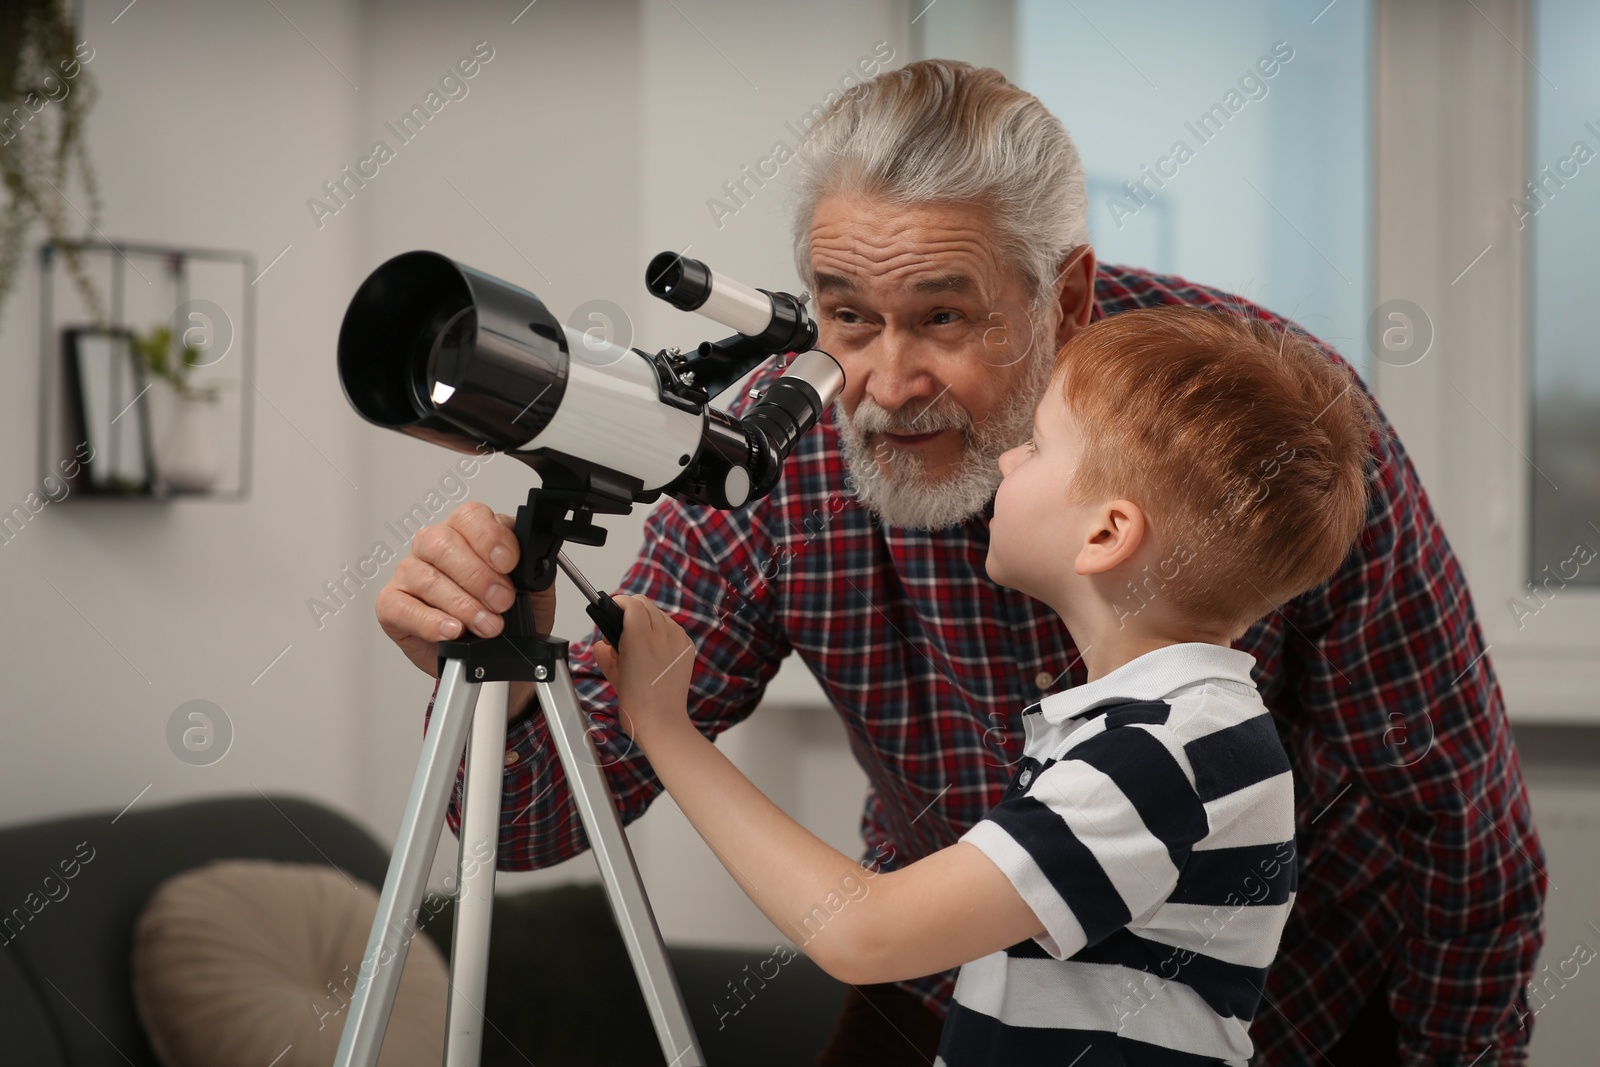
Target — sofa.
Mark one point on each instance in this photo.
(561, 987)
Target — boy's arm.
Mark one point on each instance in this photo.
(861, 927)
(858, 925)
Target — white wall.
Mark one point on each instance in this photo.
(591, 140)
(212, 125)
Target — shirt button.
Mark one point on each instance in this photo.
(1024, 778)
(511, 756)
(1043, 679)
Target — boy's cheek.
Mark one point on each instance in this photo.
(993, 565)
(1000, 525)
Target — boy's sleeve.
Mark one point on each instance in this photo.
(1097, 841)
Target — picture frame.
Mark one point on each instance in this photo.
(107, 410)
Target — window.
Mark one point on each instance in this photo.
(1559, 212)
(1232, 150)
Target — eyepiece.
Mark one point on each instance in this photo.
(680, 281)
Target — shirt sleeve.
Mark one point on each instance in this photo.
(690, 556)
(1386, 663)
(1098, 840)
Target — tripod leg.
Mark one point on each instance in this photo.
(480, 835)
(395, 922)
(618, 871)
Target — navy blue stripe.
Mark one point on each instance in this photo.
(1153, 712)
(1229, 989)
(1029, 950)
(972, 1038)
(1253, 874)
(1067, 863)
(1241, 755)
(1154, 783)
(1140, 1054)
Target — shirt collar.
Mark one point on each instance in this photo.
(1152, 676)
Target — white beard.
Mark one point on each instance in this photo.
(899, 490)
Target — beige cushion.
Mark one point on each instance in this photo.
(241, 961)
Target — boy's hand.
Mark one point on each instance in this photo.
(651, 675)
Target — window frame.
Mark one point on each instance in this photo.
(1452, 82)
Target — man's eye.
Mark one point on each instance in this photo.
(849, 318)
(944, 318)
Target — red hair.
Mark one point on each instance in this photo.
(1244, 443)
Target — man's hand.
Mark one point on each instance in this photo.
(651, 673)
(455, 576)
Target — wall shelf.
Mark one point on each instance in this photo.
(88, 387)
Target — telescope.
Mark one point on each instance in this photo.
(448, 354)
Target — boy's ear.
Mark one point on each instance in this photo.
(1114, 536)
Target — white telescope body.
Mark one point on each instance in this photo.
(612, 415)
(440, 351)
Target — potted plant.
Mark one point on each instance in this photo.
(189, 458)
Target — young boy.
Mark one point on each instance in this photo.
(1189, 472)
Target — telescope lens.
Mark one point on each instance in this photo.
(450, 355)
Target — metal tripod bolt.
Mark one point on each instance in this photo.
(541, 673)
(477, 672)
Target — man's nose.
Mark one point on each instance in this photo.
(900, 375)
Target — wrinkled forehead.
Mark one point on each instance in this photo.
(861, 246)
(928, 278)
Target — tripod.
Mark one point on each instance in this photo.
(518, 653)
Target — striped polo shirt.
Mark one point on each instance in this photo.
(1150, 827)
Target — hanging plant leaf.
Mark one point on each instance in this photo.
(45, 95)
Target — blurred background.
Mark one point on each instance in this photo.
(1415, 183)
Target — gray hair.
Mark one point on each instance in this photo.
(940, 130)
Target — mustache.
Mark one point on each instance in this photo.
(912, 418)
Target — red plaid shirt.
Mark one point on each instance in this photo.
(1418, 852)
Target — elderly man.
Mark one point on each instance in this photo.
(942, 227)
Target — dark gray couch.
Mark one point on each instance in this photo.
(64, 970)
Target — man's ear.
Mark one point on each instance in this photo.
(1075, 288)
(1115, 535)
